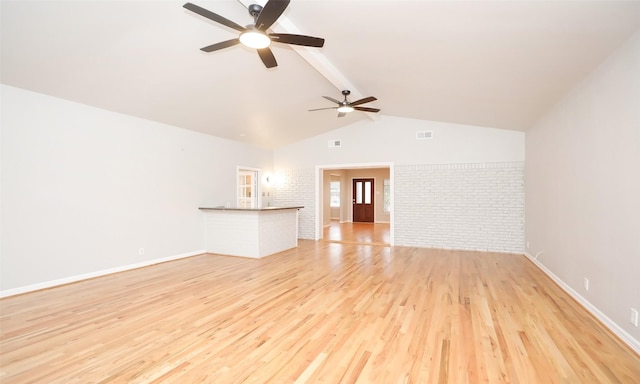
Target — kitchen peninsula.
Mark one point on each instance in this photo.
(250, 232)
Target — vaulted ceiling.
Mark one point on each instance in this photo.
(497, 64)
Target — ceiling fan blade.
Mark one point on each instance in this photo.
(362, 101)
(322, 109)
(332, 99)
(270, 13)
(365, 109)
(220, 45)
(287, 38)
(213, 16)
(267, 57)
(341, 114)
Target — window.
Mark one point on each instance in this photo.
(363, 192)
(387, 195)
(334, 191)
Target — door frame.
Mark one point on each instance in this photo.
(319, 193)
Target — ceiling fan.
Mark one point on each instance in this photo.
(255, 35)
(345, 106)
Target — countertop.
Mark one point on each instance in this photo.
(223, 208)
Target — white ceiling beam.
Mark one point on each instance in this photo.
(315, 58)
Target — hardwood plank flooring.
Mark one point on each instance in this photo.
(357, 233)
(322, 313)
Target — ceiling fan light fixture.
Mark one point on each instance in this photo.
(255, 35)
(254, 38)
(345, 109)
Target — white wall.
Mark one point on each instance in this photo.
(583, 190)
(392, 140)
(83, 189)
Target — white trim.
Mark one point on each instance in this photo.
(85, 276)
(318, 194)
(392, 225)
(613, 327)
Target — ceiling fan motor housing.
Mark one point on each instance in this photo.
(254, 10)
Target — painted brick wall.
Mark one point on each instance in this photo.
(226, 233)
(477, 206)
(275, 229)
(296, 187)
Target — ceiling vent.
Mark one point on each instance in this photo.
(424, 135)
(334, 143)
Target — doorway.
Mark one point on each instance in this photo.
(380, 224)
(247, 187)
(362, 200)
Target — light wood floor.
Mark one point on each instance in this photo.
(324, 312)
(357, 233)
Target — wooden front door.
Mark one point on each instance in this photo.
(363, 197)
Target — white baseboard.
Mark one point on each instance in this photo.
(84, 276)
(613, 327)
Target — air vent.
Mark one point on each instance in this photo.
(424, 135)
(334, 143)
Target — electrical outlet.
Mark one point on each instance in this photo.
(141, 251)
(634, 317)
(586, 284)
